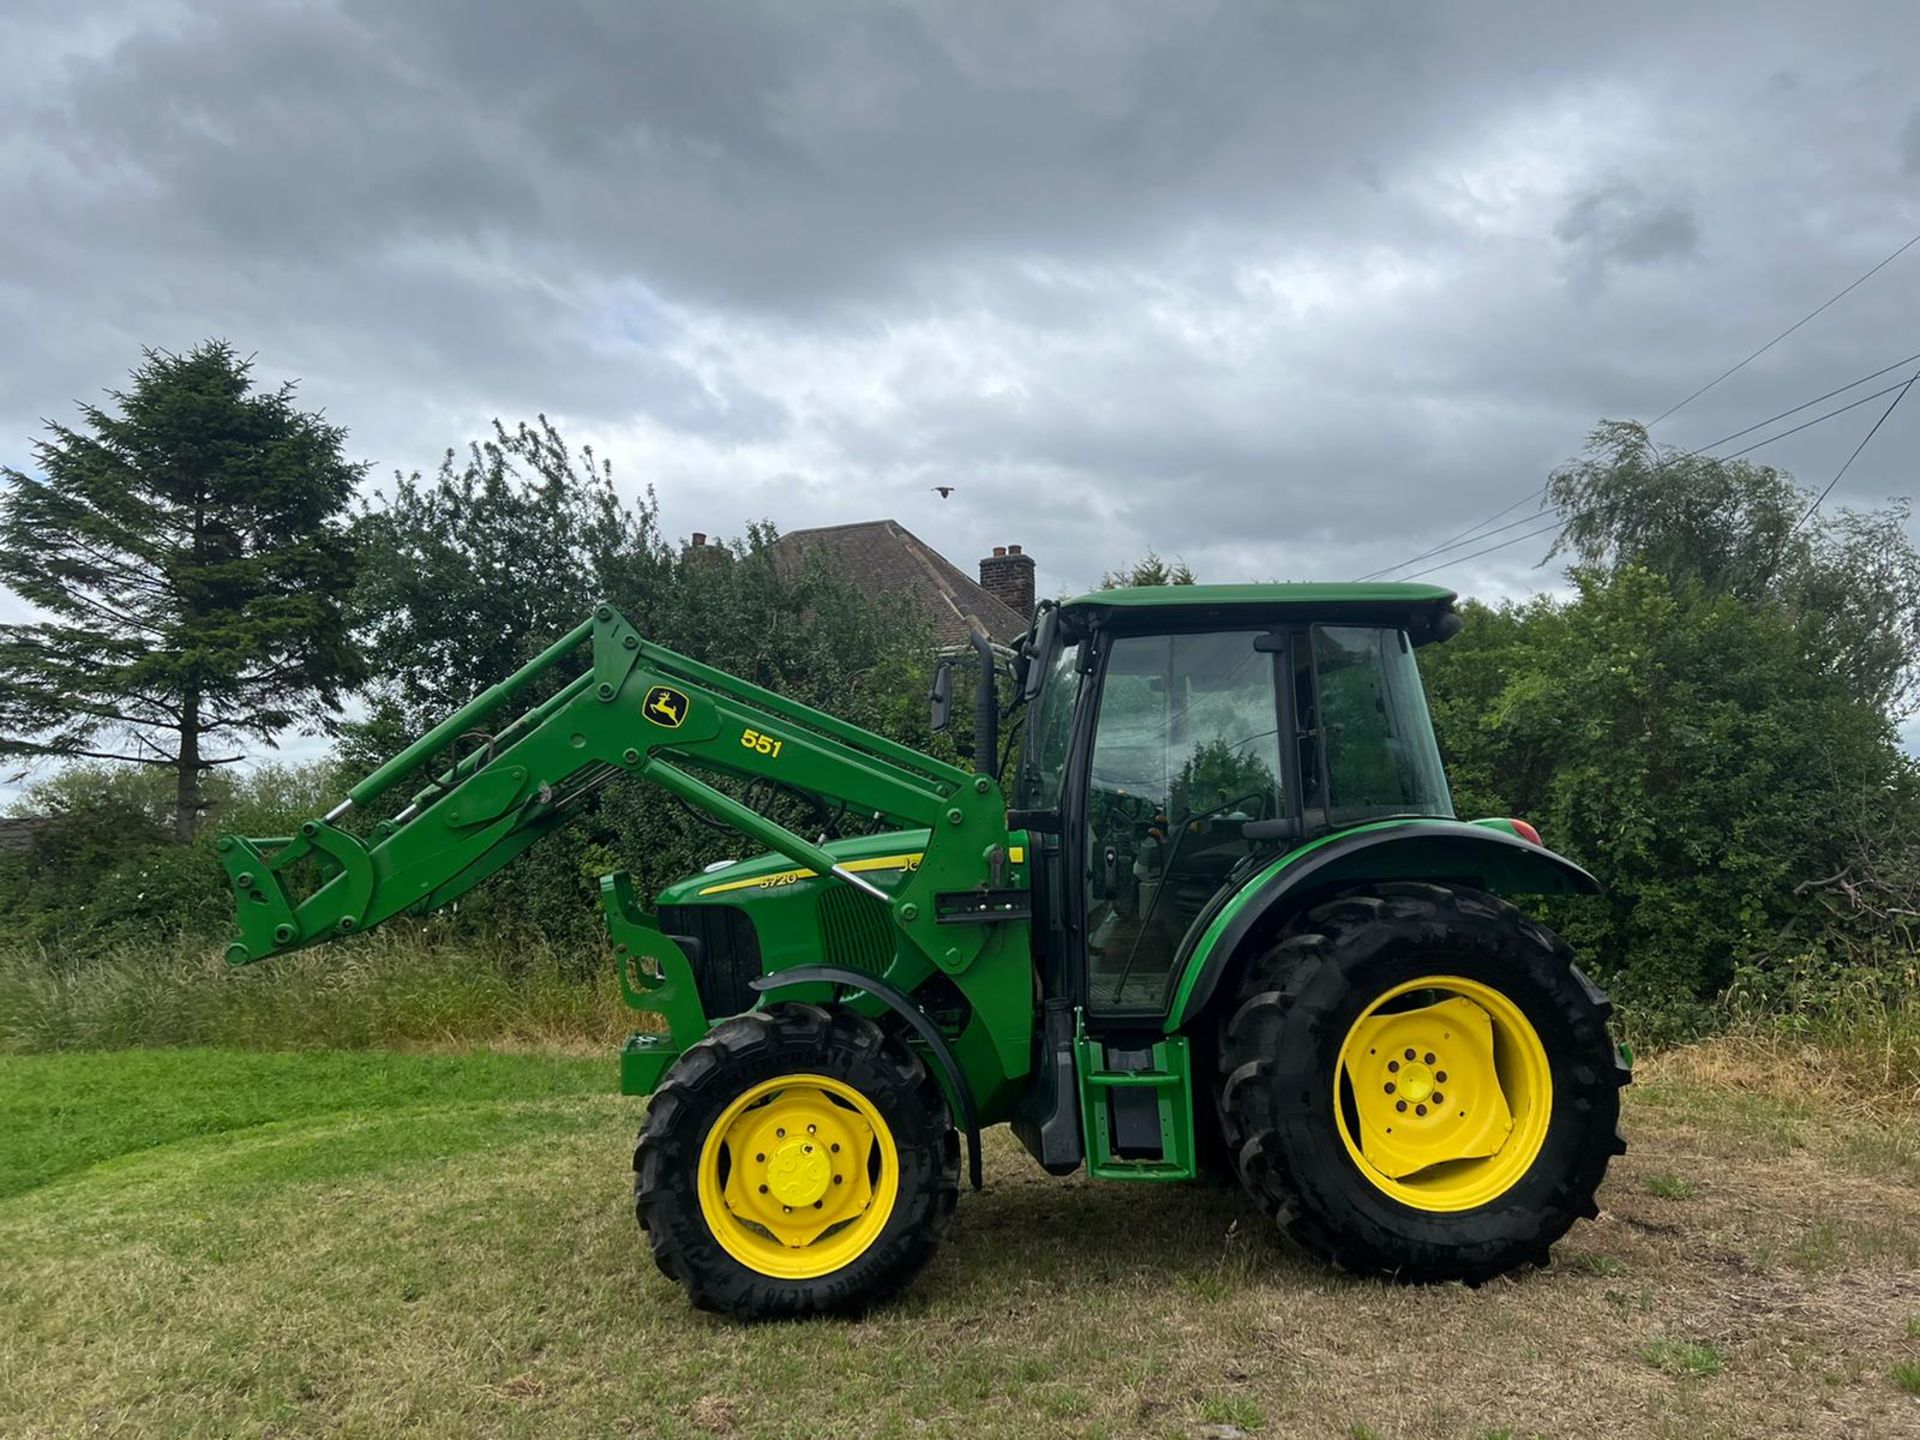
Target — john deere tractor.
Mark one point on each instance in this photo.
(1226, 921)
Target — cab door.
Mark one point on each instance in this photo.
(1181, 738)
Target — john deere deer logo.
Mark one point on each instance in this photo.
(665, 706)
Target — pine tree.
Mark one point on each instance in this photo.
(190, 561)
(1150, 570)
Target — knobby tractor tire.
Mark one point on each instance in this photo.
(1280, 1050)
(755, 1049)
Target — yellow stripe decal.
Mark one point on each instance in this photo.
(793, 877)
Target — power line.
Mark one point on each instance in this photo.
(1716, 444)
(1462, 559)
(1820, 499)
(1805, 515)
(1671, 410)
(1482, 535)
(1481, 530)
(1735, 369)
(1472, 532)
(1795, 430)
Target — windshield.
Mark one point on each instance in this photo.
(1188, 721)
(1373, 726)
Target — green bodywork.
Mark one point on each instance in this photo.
(934, 907)
(1399, 849)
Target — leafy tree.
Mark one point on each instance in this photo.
(1150, 569)
(1851, 578)
(189, 554)
(469, 575)
(1684, 746)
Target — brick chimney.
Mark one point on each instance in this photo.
(1007, 575)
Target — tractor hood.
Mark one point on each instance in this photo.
(881, 857)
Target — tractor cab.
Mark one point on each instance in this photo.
(1178, 735)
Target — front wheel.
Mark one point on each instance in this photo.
(1416, 1081)
(796, 1161)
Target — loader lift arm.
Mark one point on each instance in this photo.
(639, 710)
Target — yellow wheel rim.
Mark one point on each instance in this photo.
(1443, 1093)
(798, 1176)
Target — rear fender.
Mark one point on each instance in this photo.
(1455, 851)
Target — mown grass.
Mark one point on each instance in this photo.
(66, 1114)
(388, 989)
(204, 1243)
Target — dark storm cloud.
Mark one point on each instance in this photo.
(1288, 290)
(1618, 223)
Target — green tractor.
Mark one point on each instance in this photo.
(1227, 923)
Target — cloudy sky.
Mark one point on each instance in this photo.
(1288, 290)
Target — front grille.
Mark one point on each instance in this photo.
(729, 957)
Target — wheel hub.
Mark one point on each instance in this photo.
(788, 1176)
(1449, 1099)
(799, 1173)
(1416, 1081)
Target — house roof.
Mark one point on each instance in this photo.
(883, 557)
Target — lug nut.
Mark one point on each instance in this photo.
(835, 1147)
(818, 1203)
(838, 1178)
(1389, 1087)
(779, 1134)
(1419, 1109)
(1438, 1098)
(1400, 1105)
(1394, 1066)
(1440, 1077)
(1409, 1053)
(1429, 1057)
(810, 1129)
(759, 1159)
(786, 1209)
(763, 1189)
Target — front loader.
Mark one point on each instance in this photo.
(1229, 922)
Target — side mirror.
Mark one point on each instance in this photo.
(1036, 652)
(942, 694)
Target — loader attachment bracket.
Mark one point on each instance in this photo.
(262, 910)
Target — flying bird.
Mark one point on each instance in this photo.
(945, 490)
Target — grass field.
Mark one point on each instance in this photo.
(201, 1242)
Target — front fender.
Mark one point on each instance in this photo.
(1441, 850)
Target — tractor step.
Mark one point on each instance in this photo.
(1136, 1104)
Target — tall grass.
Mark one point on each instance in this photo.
(384, 990)
(396, 989)
(1858, 1024)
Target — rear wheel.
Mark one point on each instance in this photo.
(1417, 1081)
(795, 1161)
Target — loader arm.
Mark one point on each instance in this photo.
(643, 711)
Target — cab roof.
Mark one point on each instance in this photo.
(1425, 612)
(1302, 593)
